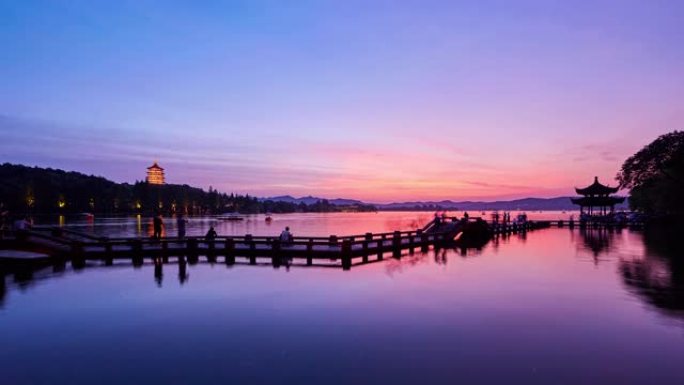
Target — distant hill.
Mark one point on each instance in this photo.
(529, 204)
(309, 200)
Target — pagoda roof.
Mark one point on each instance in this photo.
(155, 166)
(597, 201)
(597, 188)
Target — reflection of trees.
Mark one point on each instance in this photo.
(658, 277)
(3, 289)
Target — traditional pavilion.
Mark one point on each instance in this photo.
(155, 174)
(597, 198)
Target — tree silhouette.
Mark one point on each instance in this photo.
(655, 176)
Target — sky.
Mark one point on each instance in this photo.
(374, 100)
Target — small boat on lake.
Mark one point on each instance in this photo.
(231, 217)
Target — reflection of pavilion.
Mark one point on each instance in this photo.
(596, 240)
(598, 196)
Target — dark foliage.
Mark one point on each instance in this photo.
(43, 191)
(655, 176)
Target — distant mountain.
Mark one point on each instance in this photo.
(560, 203)
(529, 204)
(309, 200)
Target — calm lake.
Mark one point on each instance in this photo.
(554, 306)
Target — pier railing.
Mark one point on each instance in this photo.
(75, 245)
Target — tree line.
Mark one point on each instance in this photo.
(35, 190)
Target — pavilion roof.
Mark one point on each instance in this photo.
(597, 201)
(155, 166)
(597, 188)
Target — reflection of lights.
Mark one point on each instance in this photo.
(139, 223)
(161, 205)
(61, 221)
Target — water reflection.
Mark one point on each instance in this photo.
(24, 277)
(182, 270)
(3, 290)
(657, 277)
(598, 241)
(158, 271)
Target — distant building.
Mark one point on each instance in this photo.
(597, 198)
(155, 174)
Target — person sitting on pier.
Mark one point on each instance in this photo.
(286, 236)
(21, 228)
(437, 220)
(211, 234)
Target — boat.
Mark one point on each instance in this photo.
(231, 217)
(268, 219)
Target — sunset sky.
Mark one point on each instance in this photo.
(374, 100)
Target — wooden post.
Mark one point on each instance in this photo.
(380, 246)
(412, 243)
(230, 251)
(191, 244)
(424, 245)
(346, 254)
(230, 246)
(396, 244)
(137, 246)
(333, 240)
(275, 252)
(367, 238)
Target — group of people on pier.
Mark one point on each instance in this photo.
(181, 224)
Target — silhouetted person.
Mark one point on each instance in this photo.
(466, 216)
(211, 234)
(180, 223)
(286, 236)
(21, 228)
(438, 220)
(157, 224)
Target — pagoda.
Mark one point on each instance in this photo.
(155, 174)
(597, 198)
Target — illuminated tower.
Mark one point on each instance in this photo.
(155, 174)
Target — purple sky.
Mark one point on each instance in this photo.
(380, 101)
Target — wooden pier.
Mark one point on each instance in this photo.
(343, 250)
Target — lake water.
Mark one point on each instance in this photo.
(555, 306)
(306, 224)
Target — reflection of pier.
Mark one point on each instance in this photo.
(178, 267)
